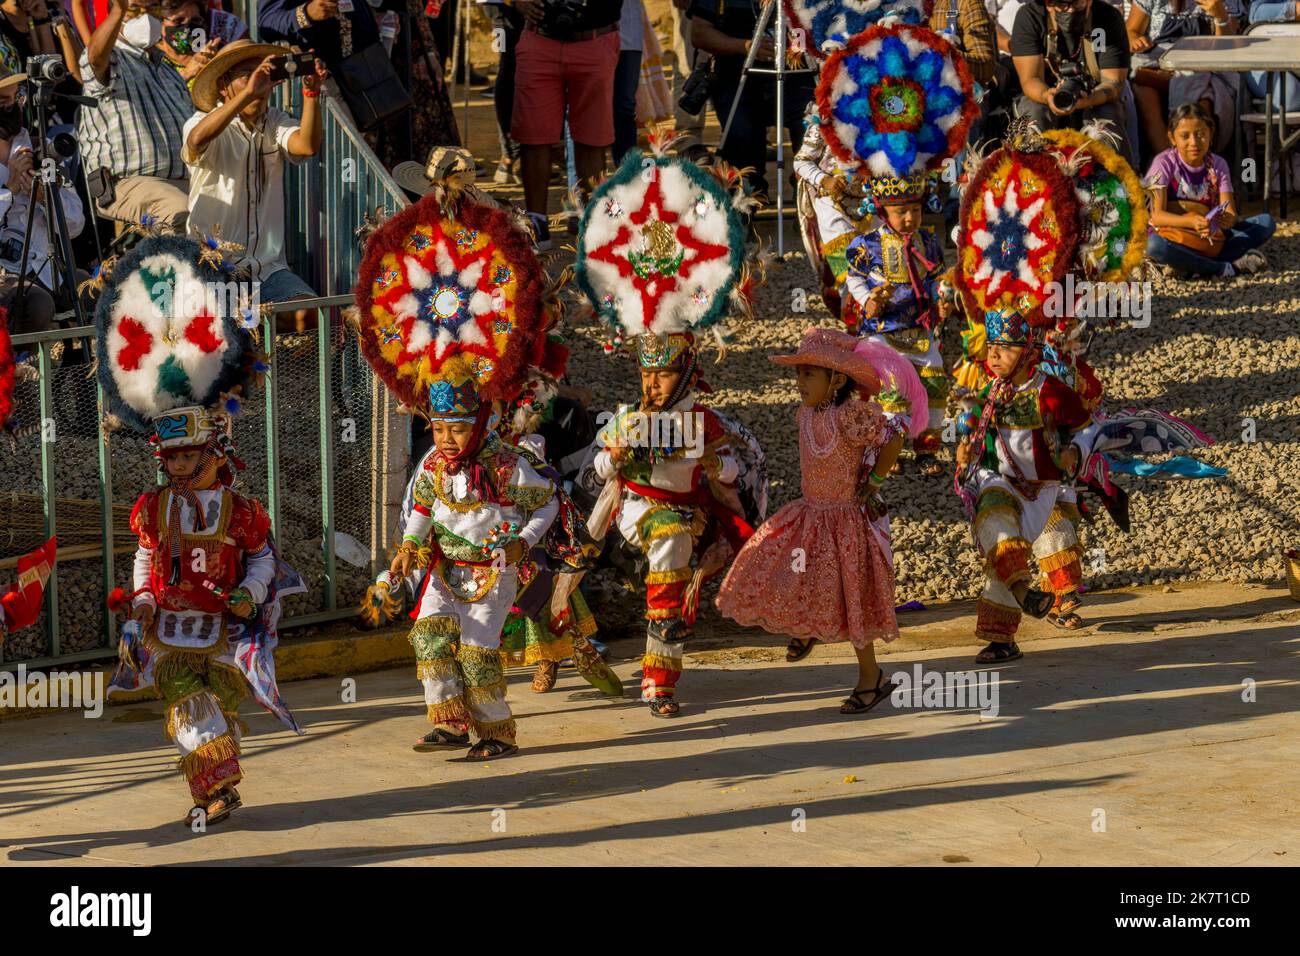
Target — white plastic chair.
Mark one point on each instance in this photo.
(1256, 116)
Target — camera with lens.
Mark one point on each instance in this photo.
(1073, 84)
(695, 91)
(46, 68)
(561, 15)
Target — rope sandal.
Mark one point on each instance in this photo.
(665, 707)
(225, 803)
(440, 739)
(854, 703)
(999, 652)
(544, 679)
(799, 648)
(490, 750)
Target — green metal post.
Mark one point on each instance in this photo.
(324, 368)
(106, 504)
(48, 437)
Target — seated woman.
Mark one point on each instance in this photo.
(1195, 229)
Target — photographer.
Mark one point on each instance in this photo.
(236, 147)
(1072, 57)
(566, 59)
(20, 197)
(725, 29)
(131, 144)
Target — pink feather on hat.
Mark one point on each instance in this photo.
(896, 371)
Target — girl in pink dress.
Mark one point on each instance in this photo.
(817, 569)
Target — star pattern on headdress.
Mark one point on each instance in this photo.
(653, 284)
(1012, 242)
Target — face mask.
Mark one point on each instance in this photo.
(1071, 22)
(142, 32)
(11, 121)
(184, 39)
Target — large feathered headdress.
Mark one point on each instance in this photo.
(172, 340)
(661, 249)
(450, 305)
(897, 99)
(1018, 230)
(816, 21)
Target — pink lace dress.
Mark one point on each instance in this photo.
(817, 568)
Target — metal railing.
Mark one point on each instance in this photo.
(326, 452)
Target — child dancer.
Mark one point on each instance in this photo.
(817, 569)
(894, 284)
(1186, 182)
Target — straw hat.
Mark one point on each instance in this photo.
(827, 348)
(445, 162)
(204, 90)
(8, 79)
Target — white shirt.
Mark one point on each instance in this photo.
(237, 184)
(13, 217)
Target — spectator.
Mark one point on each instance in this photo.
(185, 42)
(1186, 183)
(684, 56)
(235, 147)
(1152, 27)
(563, 66)
(26, 26)
(1003, 13)
(318, 26)
(975, 35)
(1057, 39)
(725, 28)
(430, 121)
(131, 144)
(20, 196)
(627, 76)
(510, 24)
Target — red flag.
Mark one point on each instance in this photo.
(20, 605)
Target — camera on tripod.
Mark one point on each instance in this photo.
(46, 68)
(1073, 84)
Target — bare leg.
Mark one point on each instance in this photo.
(536, 162)
(868, 669)
(589, 162)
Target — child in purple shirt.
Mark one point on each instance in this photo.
(1188, 181)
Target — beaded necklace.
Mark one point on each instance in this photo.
(809, 430)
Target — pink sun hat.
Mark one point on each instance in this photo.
(828, 348)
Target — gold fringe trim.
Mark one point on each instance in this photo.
(437, 624)
(1060, 559)
(989, 511)
(214, 753)
(669, 577)
(171, 661)
(441, 669)
(496, 730)
(661, 662)
(187, 711)
(451, 711)
(662, 613)
(554, 651)
(487, 694)
(477, 654)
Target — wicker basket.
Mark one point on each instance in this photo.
(1293, 572)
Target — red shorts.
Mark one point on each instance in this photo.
(550, 74)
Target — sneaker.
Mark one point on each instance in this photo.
(541, 231)
(1250, 263)
(507, 172)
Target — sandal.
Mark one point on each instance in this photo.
(927, 466)
(854, 703)
(799, 648)
(222, 805)
(665, 707)
(1065, 620)
(999, 652)
(491, 749)
(1037, 603)
(1068, 604)
(440, 739)
(544, 679)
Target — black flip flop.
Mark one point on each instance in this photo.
(659, 702)
(999, 652)
(439, 739)
(1037, 603)
(799, 648)
(491, 750)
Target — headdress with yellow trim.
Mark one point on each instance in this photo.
(451, 305)
(661, 254)
(174, 343)
(1018, 229)
(900, 100)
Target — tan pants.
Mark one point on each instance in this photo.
(166, 200)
